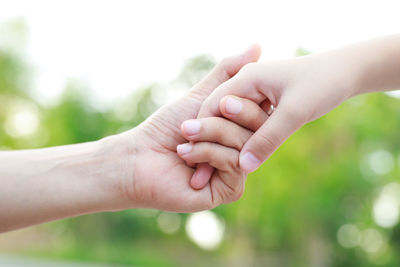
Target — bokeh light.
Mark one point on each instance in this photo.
(169, 222)
(23, 120)
(386, 211)
(205, 229)
(386, 207)
(371, 240)
(309, 205)
(381, 161)
(349, 236)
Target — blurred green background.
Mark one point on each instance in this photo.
(328, 197)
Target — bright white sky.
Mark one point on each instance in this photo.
(119, 45)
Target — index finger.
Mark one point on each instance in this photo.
(243, 85)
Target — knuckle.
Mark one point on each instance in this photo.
(237, 193)
(222, 68)
(248, 68)
(267, 142)
(219, 135)
(232, 164)
(208, 151)
(259, 119)
(239, 142)
(225, 63)
(243, 139)
(216, 123)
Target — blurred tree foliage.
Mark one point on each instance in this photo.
(293, 208)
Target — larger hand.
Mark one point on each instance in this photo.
(156, 177)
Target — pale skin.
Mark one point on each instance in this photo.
(136, 169)
(303, 89)
(141, 167)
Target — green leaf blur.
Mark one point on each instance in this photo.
(324, 177)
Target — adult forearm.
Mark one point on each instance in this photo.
(41, 185)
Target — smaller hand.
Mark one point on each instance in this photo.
(300, 89)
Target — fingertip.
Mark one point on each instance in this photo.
(201, 176)
(248, 162)
(197, 183)
(190, 127)
(230, 105)
(183, 149)
(253, 52)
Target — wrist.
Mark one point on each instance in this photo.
(337, 73)
(58, 182)
(117, 157)
(87, 176)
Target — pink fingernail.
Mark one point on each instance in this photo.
(184, 148)
(191, 127)
(233, 106)
(249, 162)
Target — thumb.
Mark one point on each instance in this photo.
(226, 69)
(269, 137)
(222, 72)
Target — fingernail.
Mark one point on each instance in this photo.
(184, 148)
(249, 162)
(191, 127)
(233, 106)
